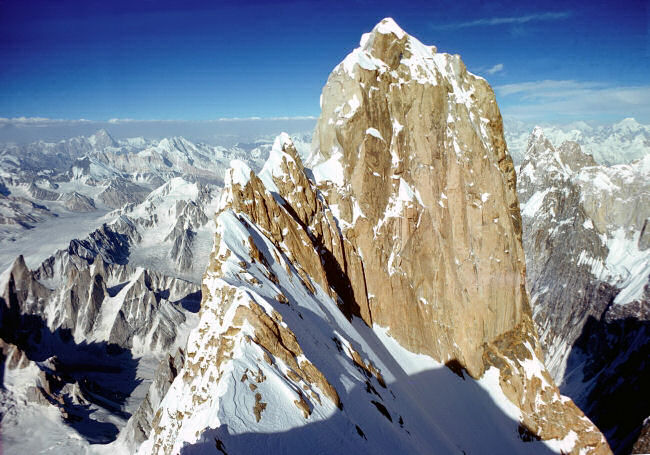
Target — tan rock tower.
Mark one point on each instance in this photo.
(404, 221)
(427, 192)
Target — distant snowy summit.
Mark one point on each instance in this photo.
(618, 143)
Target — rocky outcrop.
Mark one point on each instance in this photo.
(428, 189)
(138, 427)
(407, 222)
(589, 278)
(76, 202)
(100, 301)
(82, 330)
(642, 444)
(120, 192)
(73, 332)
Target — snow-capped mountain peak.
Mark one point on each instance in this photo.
(102, 139)
(320, 291)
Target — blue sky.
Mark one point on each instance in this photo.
(156, 59)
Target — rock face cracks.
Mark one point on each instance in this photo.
(426, 190)
(404, 219)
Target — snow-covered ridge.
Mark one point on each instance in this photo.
(242, 386)
(423, 64)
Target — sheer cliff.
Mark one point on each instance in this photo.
(373, 300)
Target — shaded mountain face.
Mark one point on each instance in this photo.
(373, 301)
(81, 343)
(588, 253)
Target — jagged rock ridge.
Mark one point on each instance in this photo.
(82, 331)
(319, 277)
(587, 243)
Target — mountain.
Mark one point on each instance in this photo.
(102, 140)
(85, 333)
(53, 192)
(587, 247)
(105, 242)
(618, 143)
(78, 337)
(373, 301)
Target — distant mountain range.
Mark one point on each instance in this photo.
(587, 242)
(618, 143)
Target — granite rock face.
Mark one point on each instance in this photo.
(401, 236)
(586, 240)
(427, 188)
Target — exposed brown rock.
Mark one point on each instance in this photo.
(303, 406)
(642, 444)
(546, 414)
(259, 407)
(422, 235)
(444, 250)
(280, 342)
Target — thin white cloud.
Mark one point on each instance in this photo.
(45, 121)
(116, 121)
(492, 21)
(39, 121)
(236, 119)
(495, 69)
(547, 99)
(547, 87)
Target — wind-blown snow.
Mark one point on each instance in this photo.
(388, 25)
(331, 170)
(239, 174)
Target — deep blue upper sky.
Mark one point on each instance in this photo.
(158, 59)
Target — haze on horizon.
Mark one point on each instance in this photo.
(196, 63)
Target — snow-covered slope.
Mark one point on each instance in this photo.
(274, 364)
(118, 235)
(618, 143)
(351, 308)
(588, 259)
(175, 228)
